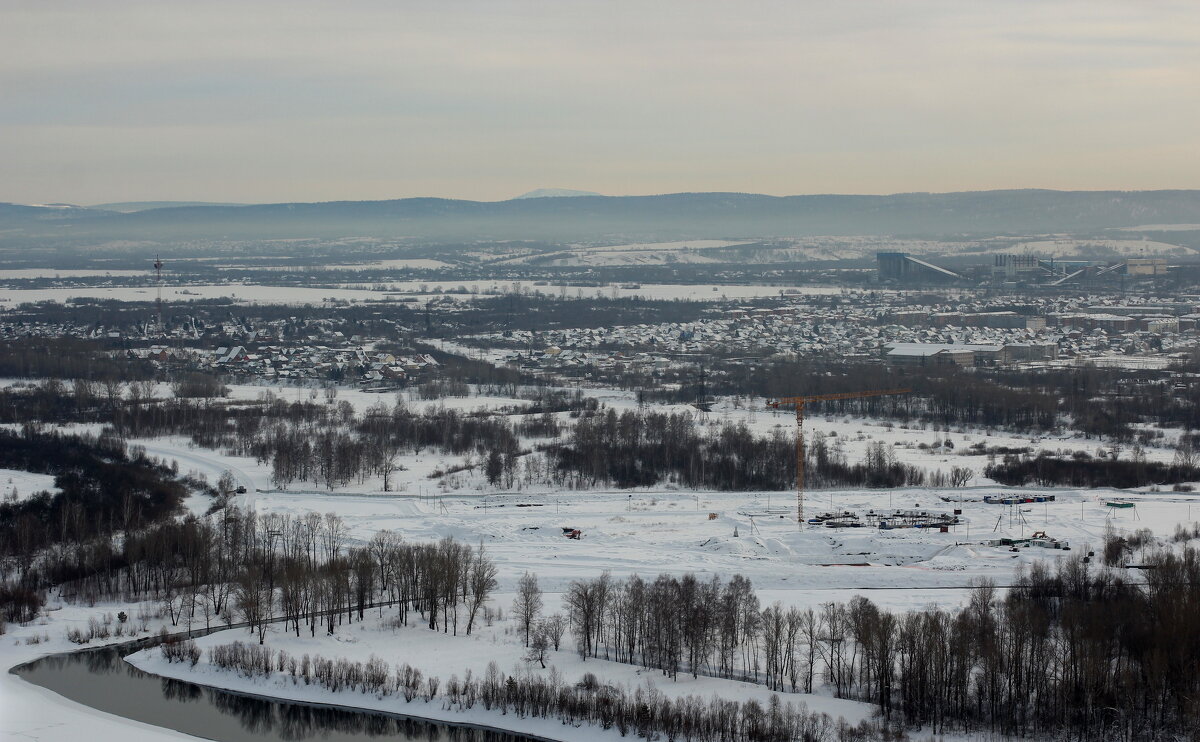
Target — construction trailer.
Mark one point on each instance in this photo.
(1039, 540)
(1017, 499)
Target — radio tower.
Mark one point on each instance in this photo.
(158, 266)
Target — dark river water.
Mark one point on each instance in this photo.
(101, 679)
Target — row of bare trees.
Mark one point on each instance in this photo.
(1074, 651)
(641, 448)
(238, 565)
(642, 712)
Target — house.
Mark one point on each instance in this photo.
(237, 353)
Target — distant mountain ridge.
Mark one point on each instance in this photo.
(131, 206)
(662, 217)
(556, 193)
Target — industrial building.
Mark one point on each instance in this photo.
(1145, 267)
(1016, 268)
(933, 354)
(1022, 269)
(900, 267)
(967, 354)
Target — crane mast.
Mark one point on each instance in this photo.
(158, 266)
(798, 402)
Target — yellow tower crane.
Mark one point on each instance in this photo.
(798, 403)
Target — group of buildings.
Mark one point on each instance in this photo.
(882, 326)
(295, 363)
(1018, 270)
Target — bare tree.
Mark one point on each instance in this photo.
(226, 484)
(554, 627)
(960, 475)
(528, 604)
(255, 601)
(332, 535)
(482, 583)
(1185, 454)
(538, 647)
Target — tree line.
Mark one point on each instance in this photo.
(643, 448)
(1084, 470)
(1072, 651)
(236, 564)
(643, 712)
(1101, 402)
(103, 488)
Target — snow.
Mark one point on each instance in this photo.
(555, 193)
(16, 273)
(1162, 228)
(417, 263)
(652, 532)
(443, 655)
(1071, 247)
(25, 484)
(664, 529)
(243, 293)
(642, 253)
(401, 291)
(647, 531)
(29, 712)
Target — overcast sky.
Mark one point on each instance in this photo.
(300, 101)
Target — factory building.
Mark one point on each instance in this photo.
(900, 267)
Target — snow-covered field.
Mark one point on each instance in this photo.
(647, 531)
(1071, 247)
(19, 485)
(646, 253)
(1161, 228)
(402, 291)
(651, 531)
(418, 263)
(754, 534)
(16, 273)
(244, 293)
(625, 532)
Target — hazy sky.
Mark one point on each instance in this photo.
(264, 101)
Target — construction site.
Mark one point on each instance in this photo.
(885, 520)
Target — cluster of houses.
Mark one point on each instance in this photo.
(555, 358)
(296, 363)
(975, 332)
(960, 328)
(187, 329)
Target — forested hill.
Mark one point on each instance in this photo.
(672, 216)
